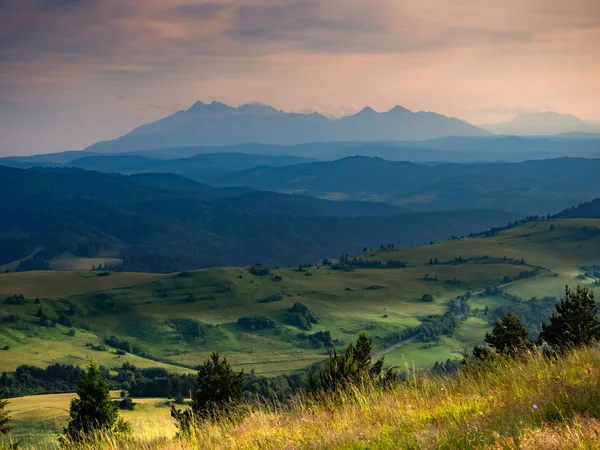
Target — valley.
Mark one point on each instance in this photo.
(152, 311)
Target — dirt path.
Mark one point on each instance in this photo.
(393, 347)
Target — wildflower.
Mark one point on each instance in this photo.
(542, 422)
(535, 406)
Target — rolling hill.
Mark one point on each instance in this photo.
(501, 270)
(531, 187)
(47, 212)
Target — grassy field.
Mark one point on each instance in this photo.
(37, 420)
(54, 284)
(535, 403)
(144, 309)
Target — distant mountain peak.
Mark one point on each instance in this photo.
(367, 110)
(399, 110)
(213, 107)
(541, 123)
(257, 108)
(546, 115)
(197, 106)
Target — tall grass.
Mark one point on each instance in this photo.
(535, 403)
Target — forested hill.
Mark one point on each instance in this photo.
(589, 210)
(46, 212)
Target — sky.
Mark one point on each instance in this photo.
(73, 72)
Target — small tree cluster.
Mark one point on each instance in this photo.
(300, 316)
(575, 322)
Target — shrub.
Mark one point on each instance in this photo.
(259, 270)
(257, 322)
(300, 316)
(270, 299)
(127, 404)
(321, 338)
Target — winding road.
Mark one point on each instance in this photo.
(459, 308)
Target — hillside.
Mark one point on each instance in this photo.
(203, 167)
(537, 403)
(535, 259)
(153, 226)
(219, 124)
(531, 187)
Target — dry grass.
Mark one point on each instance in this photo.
(60, 284)
(537, 403)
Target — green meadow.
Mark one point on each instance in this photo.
(151, 311)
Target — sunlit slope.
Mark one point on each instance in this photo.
(152, 311)
(531, 404)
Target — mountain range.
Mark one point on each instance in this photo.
(217, 124)
(544, 123)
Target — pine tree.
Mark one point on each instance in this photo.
(93, 409)
(220, 391)
(575, 322)
(352, 366)
(4, 427)
(508, 336)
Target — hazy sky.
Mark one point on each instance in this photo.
(76, 71)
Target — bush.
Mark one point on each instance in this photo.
(127, 404)
(189, 329)
(257, 322)
(17, 299)
(259, 270)
(270, 299)
(321, 338)
(117, 343)
(300, 316)
(427, 298)
(392, 264)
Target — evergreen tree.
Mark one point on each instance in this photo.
(93, 409)
(575, 322)
(220, 391)
(509, 335)
(4, 427)
(349, 367)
